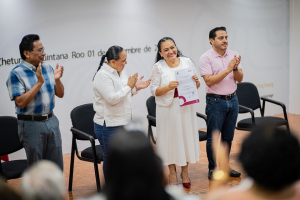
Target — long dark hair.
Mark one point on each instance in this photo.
(113, 53)
(158, 56)
(134, 171)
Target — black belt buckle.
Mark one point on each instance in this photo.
(227, 97)
(45, 115)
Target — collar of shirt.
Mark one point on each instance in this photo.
(215, 54)
(28, 65)
(111, 70)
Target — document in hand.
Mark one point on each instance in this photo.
(187, 89)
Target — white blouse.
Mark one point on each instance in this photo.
(112, 97)
(162, 75)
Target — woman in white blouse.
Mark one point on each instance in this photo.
(112, 96)
(177, 134)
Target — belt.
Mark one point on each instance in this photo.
(35, 117)
(227, 97)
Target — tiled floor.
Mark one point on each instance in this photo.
(84, 178)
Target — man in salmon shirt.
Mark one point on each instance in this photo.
(220, 69)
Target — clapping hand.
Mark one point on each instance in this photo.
(39, 74)
(238, 60)
(58, 72)
(140, 84)
(232, 64)
(132, 80)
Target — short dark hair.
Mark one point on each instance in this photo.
(268, 154)
(212, 33)
(134, 172)
(158, 56)
(27, 44)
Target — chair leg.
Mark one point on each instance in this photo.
(150, 134)
(1, 171)
(288, 127)
(96, 165)
(97, 176)
(149, 129)
(72, 164)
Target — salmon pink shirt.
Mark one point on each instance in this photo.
(212, 63)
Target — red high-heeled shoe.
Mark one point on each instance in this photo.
(186, 185)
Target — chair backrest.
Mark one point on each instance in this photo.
(248, 96)
(151, 108)
(82, 119)
(9, 138)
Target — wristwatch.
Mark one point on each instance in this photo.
(220, 175)
(235, 69)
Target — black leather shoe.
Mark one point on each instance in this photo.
(234, 173)
(210, 174)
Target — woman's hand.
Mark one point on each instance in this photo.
(132, 80)
(140, 84)
(196, 79)
(173, 85)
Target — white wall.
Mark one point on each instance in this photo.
(294, 89)
(258, 30)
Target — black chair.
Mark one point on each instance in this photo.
(9, 143)
(83, 129)
(249, 101)
(202, 134)
(151, 107)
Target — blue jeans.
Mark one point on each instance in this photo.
(104, 134)
(221, 115)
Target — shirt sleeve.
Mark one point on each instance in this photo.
(133, 91)
(155, 79)
(204, 66)
(14, 85)
(105, 86)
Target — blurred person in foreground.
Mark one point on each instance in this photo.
(43, 180)
(135, 172)
(271, 157)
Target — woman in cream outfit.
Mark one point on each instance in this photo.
(177, 134)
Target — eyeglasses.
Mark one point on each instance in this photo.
(41, 51)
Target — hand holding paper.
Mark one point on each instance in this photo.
(187, 90)
(173, 85)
